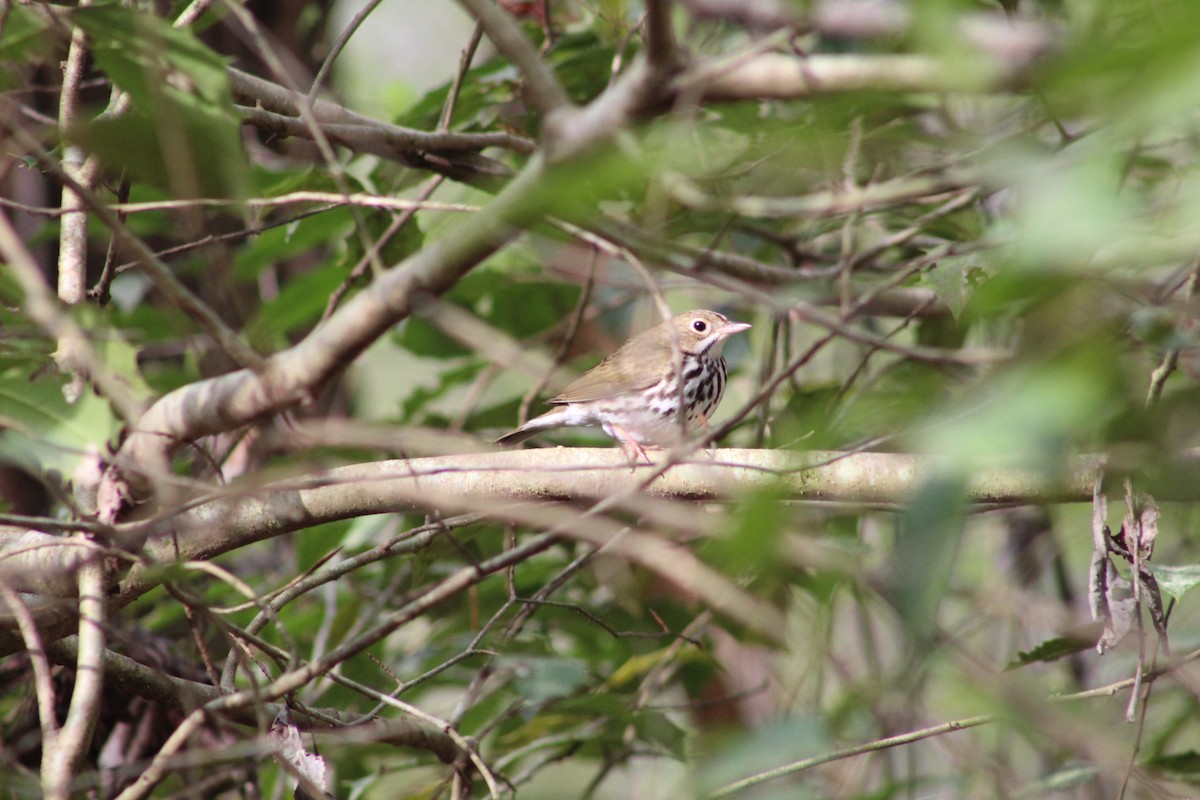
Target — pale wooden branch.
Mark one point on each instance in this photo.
(773, 76)
(504, 486)
(63, 750)
(290, 376)
(72, 235)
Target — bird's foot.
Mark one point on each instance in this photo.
(631, 447)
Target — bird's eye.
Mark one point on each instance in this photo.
(699, 326)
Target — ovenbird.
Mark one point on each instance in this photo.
(634, 394)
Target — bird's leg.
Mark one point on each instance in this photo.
(631, 447)
(711, 450)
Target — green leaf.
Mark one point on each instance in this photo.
(44, 431)
(953, 279)
(657, 729)
(766, 748)
(751, 548)
(1176, 581)
(1060, 780)
(329, 228)
(181, 132)
(542, 679)
(926, 549)
(25, 35)
(1185, 764)
(300, 303)
(1053, 649)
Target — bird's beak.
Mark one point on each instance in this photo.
(730, 328)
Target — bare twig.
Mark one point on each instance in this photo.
(43, 308)
(543, 88)
(162, 276)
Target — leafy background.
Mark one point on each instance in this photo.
(1028, 215)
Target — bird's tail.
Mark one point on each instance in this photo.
(551, 419)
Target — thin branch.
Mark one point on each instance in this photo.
(661, 50)
(43, 308)
(132, 678)
(193, 12)
(338, 46)
(360, 269)
(388, 141)
(178, 294)
(544, 90)
(849, 752)
(290, 376)
(43, 683)
(464, 66)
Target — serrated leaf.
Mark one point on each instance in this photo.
(1054, 649)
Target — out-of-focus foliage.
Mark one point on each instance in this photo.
(1015, 262)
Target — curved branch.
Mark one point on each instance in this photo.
(288, 377)
(502, 486)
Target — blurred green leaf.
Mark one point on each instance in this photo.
(923, 558)
(1061, 780)
(750, 549)
(44, 431)
(1176, 580)
(300, 304)
(1059, 646)
(765, 748)
(23, 35)
(952, 280)
(1034, 412)
(658, 730)
(542, 679)
(181, 132)
(328, 229)
(1183, 765)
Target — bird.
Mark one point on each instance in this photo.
(634, 395)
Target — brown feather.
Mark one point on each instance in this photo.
(639, 363)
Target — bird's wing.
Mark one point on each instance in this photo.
(637, 365)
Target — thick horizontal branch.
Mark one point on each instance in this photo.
(573, 473)
(506, 485)
(773, 76)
